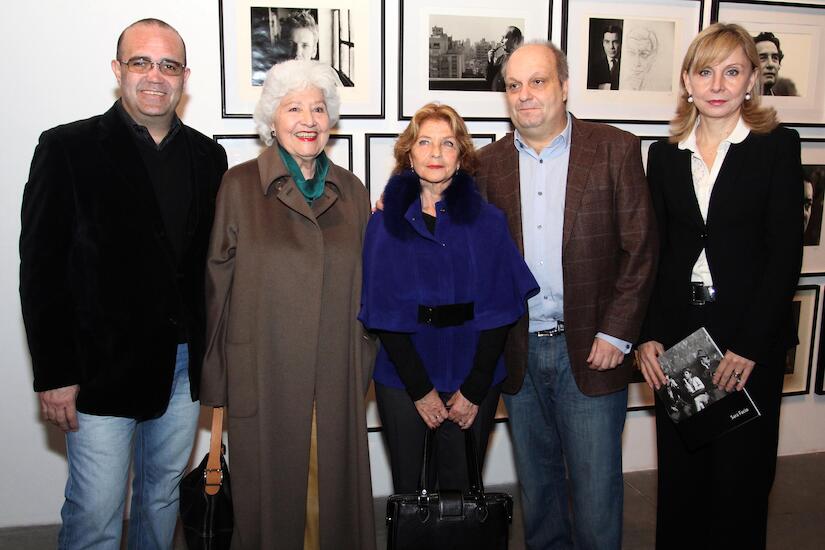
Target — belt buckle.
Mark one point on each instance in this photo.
(558, 329)
(701, 294)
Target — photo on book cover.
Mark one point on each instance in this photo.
(688, 367)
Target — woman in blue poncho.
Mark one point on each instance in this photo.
(443, 282)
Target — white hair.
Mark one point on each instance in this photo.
(292, 76)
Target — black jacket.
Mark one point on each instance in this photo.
(100, 288)
(752, 238)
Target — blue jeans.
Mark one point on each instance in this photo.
(555, 428)
(99, 454)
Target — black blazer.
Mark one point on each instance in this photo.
(753, 242)
(99, 284)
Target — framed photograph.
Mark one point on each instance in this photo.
(346, 34)
(625, 57)
(819, 383)
(380, 161)
(799, 359)
(243, 147)
(790, 40)
(813, 167)
(452, 52)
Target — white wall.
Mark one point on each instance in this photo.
(56, 69)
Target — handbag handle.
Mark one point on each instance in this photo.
(473, 473)
(213, 474)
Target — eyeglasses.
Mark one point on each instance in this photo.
(142, 65)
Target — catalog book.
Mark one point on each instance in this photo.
(701, 411)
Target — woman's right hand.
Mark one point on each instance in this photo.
(649, 353)
(432, 409)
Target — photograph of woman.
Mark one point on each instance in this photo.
(727, 191)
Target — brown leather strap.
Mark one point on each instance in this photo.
(213, 474)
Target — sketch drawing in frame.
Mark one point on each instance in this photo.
(453, 52)
(347, 34)
(790, 40)
(625, 57)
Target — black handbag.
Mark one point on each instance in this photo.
(449, 520)
(206, 497)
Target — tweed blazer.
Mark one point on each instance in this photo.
(609, 246)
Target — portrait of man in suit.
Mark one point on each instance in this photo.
(605, 54)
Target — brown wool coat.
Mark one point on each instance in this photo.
(283, 294)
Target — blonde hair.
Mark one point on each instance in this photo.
(712, 45)
(467, 157)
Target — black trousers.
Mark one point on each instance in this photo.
(717, 496)
(404, 432)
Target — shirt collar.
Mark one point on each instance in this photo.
(141, 132)
(738, 135)
(560, 143)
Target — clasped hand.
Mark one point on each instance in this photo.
(458, 409)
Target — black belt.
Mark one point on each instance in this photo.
(449, 315)
(552, 331)
(701, 294)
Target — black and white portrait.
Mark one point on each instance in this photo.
(647, 55)
(812, 207)
(782, 61)
(688, 367)
(604, 54)
(466, 52)
(280, 33)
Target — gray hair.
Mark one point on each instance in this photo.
(562, 68)
(293, 76)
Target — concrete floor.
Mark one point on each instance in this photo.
(797, 512)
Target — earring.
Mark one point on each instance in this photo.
(748, 96)
(272, 133)
(690, 98)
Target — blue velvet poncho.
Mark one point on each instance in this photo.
(470, 258)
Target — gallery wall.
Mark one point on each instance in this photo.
(56, 70)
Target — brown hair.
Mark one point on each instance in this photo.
(467, 157)
(712, 45)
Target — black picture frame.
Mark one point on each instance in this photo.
(681, 18)
(363, 17)
(536, 16)
(799, 382)
(803, 102)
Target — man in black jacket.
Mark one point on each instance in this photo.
(115, 224)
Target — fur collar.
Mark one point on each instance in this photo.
(462, 199)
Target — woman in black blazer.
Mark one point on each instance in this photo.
(727, 191)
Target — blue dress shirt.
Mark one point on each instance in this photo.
(543, 179)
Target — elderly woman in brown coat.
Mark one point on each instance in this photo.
(285, 352)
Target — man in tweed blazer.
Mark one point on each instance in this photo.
(578, 207)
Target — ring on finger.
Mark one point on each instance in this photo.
(738, 376)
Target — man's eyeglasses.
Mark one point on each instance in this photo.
(142, 65)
